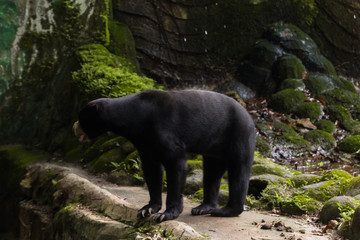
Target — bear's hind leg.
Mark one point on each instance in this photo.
(240, 161)
(214, 169)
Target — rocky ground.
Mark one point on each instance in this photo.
(96, 208)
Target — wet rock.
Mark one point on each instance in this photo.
(331, 209)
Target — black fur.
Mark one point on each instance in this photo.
(163, 126)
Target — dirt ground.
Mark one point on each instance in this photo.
(245, 227)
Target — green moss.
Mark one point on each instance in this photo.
(319, 83)
(104, 162)
(310, 110)
(326, 125)
(306, 10)
(342, 177)
(344, 84)
(274, 169)
(263, 147)
(321, 138)
(103, 74)
(343, 115)
(350, 144)
(287, 100)
(323, 191)
(289, 67)
(304, 179)
(293, 83)
(283, 128)
(300, 204)
(13, 161)
(341, 97)
(122, 43)
(63, 213)
(194, 165)
(295, 140)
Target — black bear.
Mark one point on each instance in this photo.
(163, 126)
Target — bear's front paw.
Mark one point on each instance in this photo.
(147, 210)
(169, 214)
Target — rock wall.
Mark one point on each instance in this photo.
(197, 42)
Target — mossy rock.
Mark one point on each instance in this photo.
(305, 179)
(104, 162)
(355, 112)
(299, 205)
(264, 54)
(316, 62)
(265, 129)
(321, 138)
(310, 110)
(290, 37)
(343, 115)
(288, 67)
(103, 74)
(350, 144)
(274, 169)
(323, 191)
(293, 83)
(352, 231)
(337, 174)
(319, 83)
(122, 43)
(283, 128)
(260, 182)
(344, 84)
(273, 195)
(332, 208)
(341, 97)
(194, 182)
(326, 125)
(263, 147)
(13, 162)
(293, 141)
(353, 187)
(285, 101)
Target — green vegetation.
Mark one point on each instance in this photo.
(321, 138)
(285, 101)
(310, 110)
(103, 74)
(326, 125)
(350, 144)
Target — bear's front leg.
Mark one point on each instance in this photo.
(153, 174)
(176, 177)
